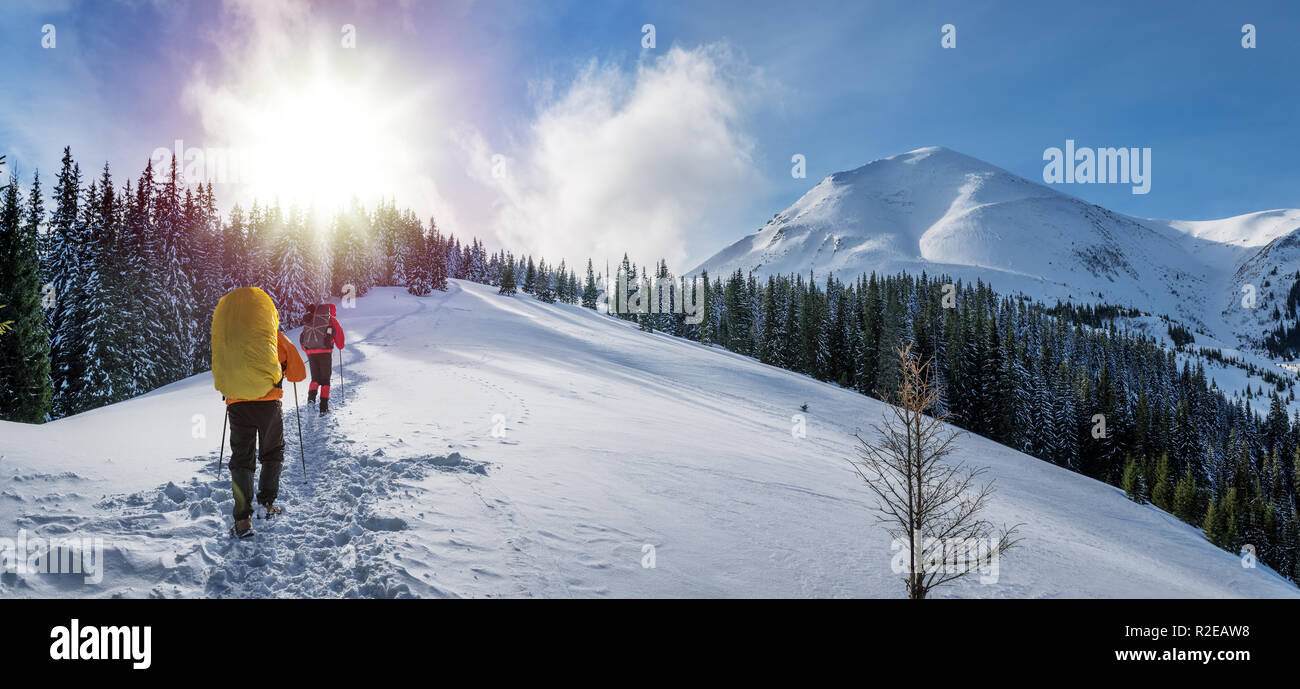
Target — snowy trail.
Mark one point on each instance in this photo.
(334, 539)
(331, 541)
(492, 446)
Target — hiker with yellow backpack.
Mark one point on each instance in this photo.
(251, 358)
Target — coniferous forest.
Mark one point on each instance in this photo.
(109, 289)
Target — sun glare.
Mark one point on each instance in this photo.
(321, 142)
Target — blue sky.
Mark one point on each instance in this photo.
(600, 152)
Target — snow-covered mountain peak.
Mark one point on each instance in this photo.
(940, 211)
(911, 191)
(1247, 230)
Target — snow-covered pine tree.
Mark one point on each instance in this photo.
(106, 373)
(403, 249)
(387, 241)
(561, 286)
(204, 228)
(25, 392)
(891, 338)
(508, 276)
(494, 270)
(420, 267)
(589, 292)
(769, 346)
(544, 287)
(293, 285)
(1021, 435)
(234, 251)
(530, 278)
(1066, 418)
(869, 350)
(455, 259)
(477, 270)
(564, 291)
(351, 269)
(67, 237)
(437, 253)
(840, 336)
(135, 299)
(717, 330)
(173, 318)
(739, 318)
(663, 288)
(259, 233)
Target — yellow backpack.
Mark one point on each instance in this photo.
(245, 352)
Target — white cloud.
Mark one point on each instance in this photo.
(625, 160)
(611, 160)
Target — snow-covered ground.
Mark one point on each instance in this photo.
(495, 446)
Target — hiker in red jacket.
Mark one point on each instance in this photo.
(321, 333)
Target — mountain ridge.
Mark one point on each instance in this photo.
(939, 210)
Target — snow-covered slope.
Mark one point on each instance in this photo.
(1269, 276)
(1249, 230)
(937, 210)
(497, 446)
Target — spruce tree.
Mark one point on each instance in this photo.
(67, 239)
(1214, 525)
(1163, 492)
(891, 338)
(174, 304)
(351, 267)
(1186, 499)
(25, 392)
(530, 278)
(543, 288)
(589, 291)
(203, 225)
(507, 276)
(141, 303)
(437, 264)
(1132, 482)
(769, 345)
(292, 288)
(106, 367)
(420, 269)
(707, 333)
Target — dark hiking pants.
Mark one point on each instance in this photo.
(321, 365)
(256, 433)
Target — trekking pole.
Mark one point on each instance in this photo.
(221, 453)
(301, 452)
(340, 375)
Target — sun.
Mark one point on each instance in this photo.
(320, 144)
(319, 141)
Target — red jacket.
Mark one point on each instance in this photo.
(338, 333)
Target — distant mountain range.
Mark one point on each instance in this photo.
(939, 211)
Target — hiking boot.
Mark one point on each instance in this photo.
(243, 528)
(311, 397)
(271, 510)
(324, 404)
